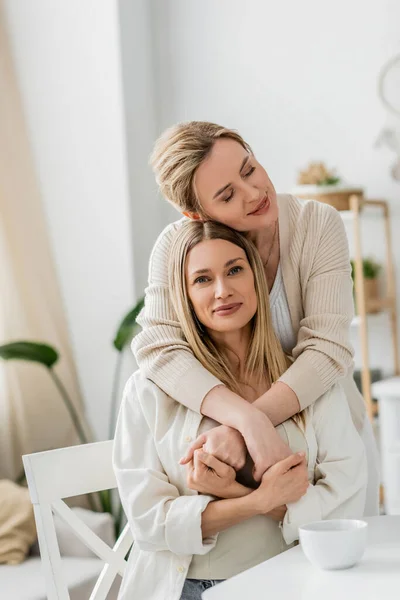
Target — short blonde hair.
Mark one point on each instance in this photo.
(177, 155)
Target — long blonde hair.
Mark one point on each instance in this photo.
(178, 153)
(265, 358)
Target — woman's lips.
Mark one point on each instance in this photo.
(227, 309)
(262, 208)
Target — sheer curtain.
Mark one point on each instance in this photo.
(32, 415)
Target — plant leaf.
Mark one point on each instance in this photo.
(329, 181)
(370, 268)
(31, 351)
(126, 330)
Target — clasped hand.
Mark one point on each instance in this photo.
(228, 445)
(208, 475)
(286, 481)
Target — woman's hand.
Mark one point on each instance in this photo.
(224, 443)
(263, 443)
(284, 482)
(208, 475)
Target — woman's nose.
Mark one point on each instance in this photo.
(222, 288)
(252, 193)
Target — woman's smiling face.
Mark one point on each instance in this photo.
(220, 285)
(234, 189)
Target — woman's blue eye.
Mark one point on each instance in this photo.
(250, 172)
(235, 270)
(201, 279)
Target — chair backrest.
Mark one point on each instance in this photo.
(63, 473)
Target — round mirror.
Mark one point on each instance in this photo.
(389, 85)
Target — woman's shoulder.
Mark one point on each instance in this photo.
(302, 209)
(158, 264)
(307, 217)
(142, 394)
(166, 236)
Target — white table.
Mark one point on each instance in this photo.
(289, 576)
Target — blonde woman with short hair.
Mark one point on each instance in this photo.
(197, 525)
(209, 172)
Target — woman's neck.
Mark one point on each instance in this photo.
(234, 345)
(262, 238)
(267, 244)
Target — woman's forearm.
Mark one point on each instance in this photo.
(234, 490)
(279, 403)
(264, 444)
(228, 408)
(222, 514)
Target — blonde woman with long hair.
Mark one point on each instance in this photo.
(197, 525)
(209, 172)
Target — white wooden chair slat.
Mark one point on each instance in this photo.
(86, 535)
(63, 473)
(73, 471)
(124, 542)
(107, 576)
(103, 584)
(50, 553)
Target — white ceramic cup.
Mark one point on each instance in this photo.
(336, 544)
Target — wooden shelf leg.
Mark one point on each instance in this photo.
(391, 290)
(355, 205)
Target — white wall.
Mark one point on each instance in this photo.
(297, 79)
(67, 57)
(141, 117)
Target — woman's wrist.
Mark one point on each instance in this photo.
(261, 504)
(279, 403)
(248, 420)
(228, 408)
(237, 490)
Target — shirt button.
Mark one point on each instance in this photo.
(188, 438)
(180, 569)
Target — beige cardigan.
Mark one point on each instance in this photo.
(316, 273)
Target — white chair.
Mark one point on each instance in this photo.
(63, 473)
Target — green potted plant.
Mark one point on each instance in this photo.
(47, 356)
(371, 270)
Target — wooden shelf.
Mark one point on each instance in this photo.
(356, 321)
(378, 305)
(369, 307)
(374, 308)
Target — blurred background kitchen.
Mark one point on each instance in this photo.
(86, 86)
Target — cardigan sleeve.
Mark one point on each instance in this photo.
(161, 351)
(323, 352)
(160, 518)
(340, 472)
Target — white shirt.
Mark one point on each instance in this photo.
(152, 434)
(280, 313)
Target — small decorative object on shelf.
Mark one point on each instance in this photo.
(317, 182)
(317, 174)
(371, 270)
